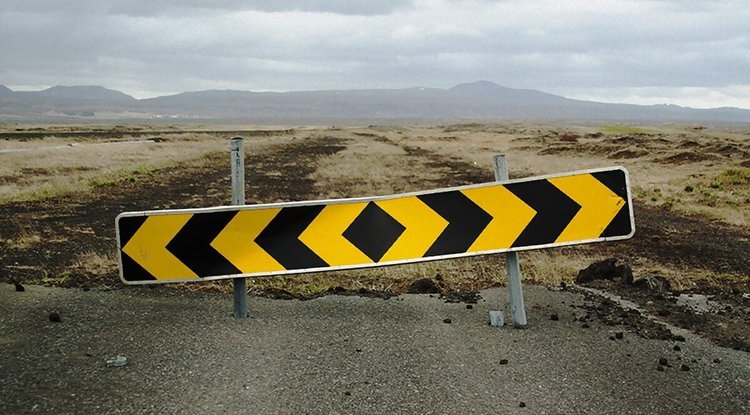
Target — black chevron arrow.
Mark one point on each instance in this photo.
(554, 211)
(132, 271)
(280, 238)
(192, 244)
(616, 182)
(127, 227)
(465, 219)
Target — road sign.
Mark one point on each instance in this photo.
(288, 238)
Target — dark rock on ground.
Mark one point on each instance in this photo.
(606, 269)
(653, 283)
(55, 317)
(424, 286)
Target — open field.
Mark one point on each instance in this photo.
(61, 188)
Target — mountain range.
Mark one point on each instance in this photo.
(480, 100)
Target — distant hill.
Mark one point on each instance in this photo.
(478, 101)
(5, 91)
(85, 93)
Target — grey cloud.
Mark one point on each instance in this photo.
(171, 45)
(157, 8)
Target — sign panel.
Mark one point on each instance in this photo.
(287, 238)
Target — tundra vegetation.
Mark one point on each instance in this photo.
(90, 172)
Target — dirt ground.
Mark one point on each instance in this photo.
(74, 241)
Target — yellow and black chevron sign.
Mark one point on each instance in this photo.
(226, 242)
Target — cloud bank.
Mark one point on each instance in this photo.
(677, 51)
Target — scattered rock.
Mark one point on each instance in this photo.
(503, 361)
(585, 326)
(679, 338)
(447, 321)
(676, 348)
(554, 317)
(663, 361)
(347, 393)
(660, 368)
(469, 306)
(117, 361)
(685, 368)
(522, 404)
(717, 360)
(55, 317)
(619, 335)
(654, 283)
(597, 271)
(359, 350)
(424, 286)
(625, 273)
(19, 287)
(605, 270)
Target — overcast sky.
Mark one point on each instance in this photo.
(687, 52)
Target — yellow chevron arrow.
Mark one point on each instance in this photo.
(423, 226)
(237, 241)
(599, 205)
(510, 215)
(325, 237)
(148, 247)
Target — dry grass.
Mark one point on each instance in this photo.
(94, 263)
(658, 159)
(55, 166)
(371, 165)
(375, 163)
(24, 241)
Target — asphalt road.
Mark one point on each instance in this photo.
(343, 355)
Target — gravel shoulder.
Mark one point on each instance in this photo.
(345, 354)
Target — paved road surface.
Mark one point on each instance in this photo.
(342, 355)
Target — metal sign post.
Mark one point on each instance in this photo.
(515, 292)
(238, 199)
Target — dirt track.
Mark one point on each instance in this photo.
(349, 355)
